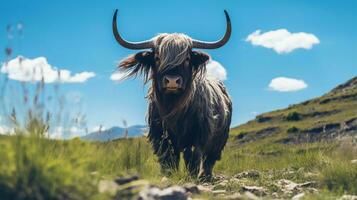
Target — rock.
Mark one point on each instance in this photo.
(164, 179)
(204, 188)
(155, 193)
(250, 196)
(108, 186)
(260, 191)
(192, 188)
(221, 185)
(248, 174)
(290, 187)
(348, 197)
(216, 192)
(287, 186)
(308, 184)
(298, 196)
(94, 173)
(312, 190)
(125, 180)
(235, 196)
(354, 161)
(275, 195)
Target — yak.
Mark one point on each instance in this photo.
(188, 111)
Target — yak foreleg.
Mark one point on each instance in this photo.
(167, 153)
(192, 160)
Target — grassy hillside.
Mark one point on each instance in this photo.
(320, 119)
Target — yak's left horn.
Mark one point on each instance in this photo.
(214, 45)
(130, 45)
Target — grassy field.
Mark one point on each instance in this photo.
(32, 166)
(36, 168)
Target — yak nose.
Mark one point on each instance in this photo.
(172, 82)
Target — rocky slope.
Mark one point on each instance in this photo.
(236, 187)
(331, 116)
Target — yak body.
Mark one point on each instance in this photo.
(188, 112)
(194, 120)
(199, 130)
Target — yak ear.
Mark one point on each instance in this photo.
(198, 58)
(145, 58)
(140, 63)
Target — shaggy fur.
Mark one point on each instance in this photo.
(195, 122)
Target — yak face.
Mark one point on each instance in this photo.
(171, 64)
(174, 80)
(175, 63)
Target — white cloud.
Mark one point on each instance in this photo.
(57, 133)
(6, 130)
(60, 132)
(283, 84)
(282, 41)
(3, 129)
(216, 70)
(98, 128)
(31, 70)
(118, 75)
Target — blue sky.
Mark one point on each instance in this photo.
(77, 36)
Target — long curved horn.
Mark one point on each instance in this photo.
(214, 45)
(130, 45)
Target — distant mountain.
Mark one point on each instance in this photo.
(331, 116)
(115, 133)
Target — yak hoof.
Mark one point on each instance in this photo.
(204, 178)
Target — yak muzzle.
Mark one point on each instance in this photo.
(172, 83)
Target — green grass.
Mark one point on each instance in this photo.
(35, 168)
(38, 168)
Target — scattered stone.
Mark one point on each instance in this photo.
(348, 197)
(219, 177)
(192, 188)
(155, 193)
(221, 185)
(298, 196)
(125, 180)
(216, 192)
(250, 196)
(287, 186)
(108, 186)
(290, 187)
(312, 190)
(164, 179)
(94, 173)
(260, 191)
(275, 195)
(308, 184)
(204, 188)
(248, 174)
(235, 196)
